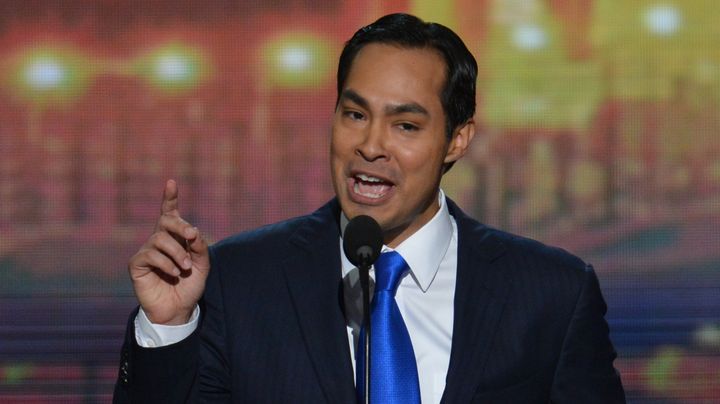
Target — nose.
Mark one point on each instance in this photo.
(373, 144)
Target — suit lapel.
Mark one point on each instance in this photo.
(480, 295)
(312, 270)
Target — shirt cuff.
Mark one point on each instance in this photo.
(149, 335)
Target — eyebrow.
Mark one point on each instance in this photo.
(355, 97)
(397, 109)
(412, 107)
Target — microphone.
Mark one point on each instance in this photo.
(362, 243)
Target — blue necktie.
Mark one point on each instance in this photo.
(393, 371)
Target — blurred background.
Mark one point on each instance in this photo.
(599, 132)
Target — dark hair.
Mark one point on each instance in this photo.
(404, 30)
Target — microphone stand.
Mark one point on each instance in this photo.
(362, 245)
(365, 284)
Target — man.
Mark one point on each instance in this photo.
(269, 315)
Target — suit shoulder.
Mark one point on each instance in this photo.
(523, 254)
(267, 241)
(552, 273)
(532, 249)
(267, 236)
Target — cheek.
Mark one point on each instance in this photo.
(339, 144)
(338, 157)
(420, 158)
(335, 153)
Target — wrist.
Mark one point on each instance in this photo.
(181, 317)
(149, 335)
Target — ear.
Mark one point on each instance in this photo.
(460, 141)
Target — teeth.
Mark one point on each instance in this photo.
(368, 179)
(371, 187)
(372, 195)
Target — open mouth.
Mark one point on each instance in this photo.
(370, 187)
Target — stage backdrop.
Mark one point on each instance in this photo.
(599, 132)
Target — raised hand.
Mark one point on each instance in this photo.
(170, 269)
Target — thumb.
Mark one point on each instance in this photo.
(198, 248)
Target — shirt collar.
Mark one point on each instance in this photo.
(423, 250)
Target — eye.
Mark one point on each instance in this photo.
(354, 115)
(408, 127)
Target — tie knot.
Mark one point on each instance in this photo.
(389, 270)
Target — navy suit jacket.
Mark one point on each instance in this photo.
(528, 327)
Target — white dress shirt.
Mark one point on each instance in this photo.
(425, 298)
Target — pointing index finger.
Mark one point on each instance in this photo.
(170, 198)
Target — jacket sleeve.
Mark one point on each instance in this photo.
(585, 372)
(194, 370)
(156, 375)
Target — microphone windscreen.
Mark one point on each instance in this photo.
(362, 240)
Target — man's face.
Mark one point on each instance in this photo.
(389, 144)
